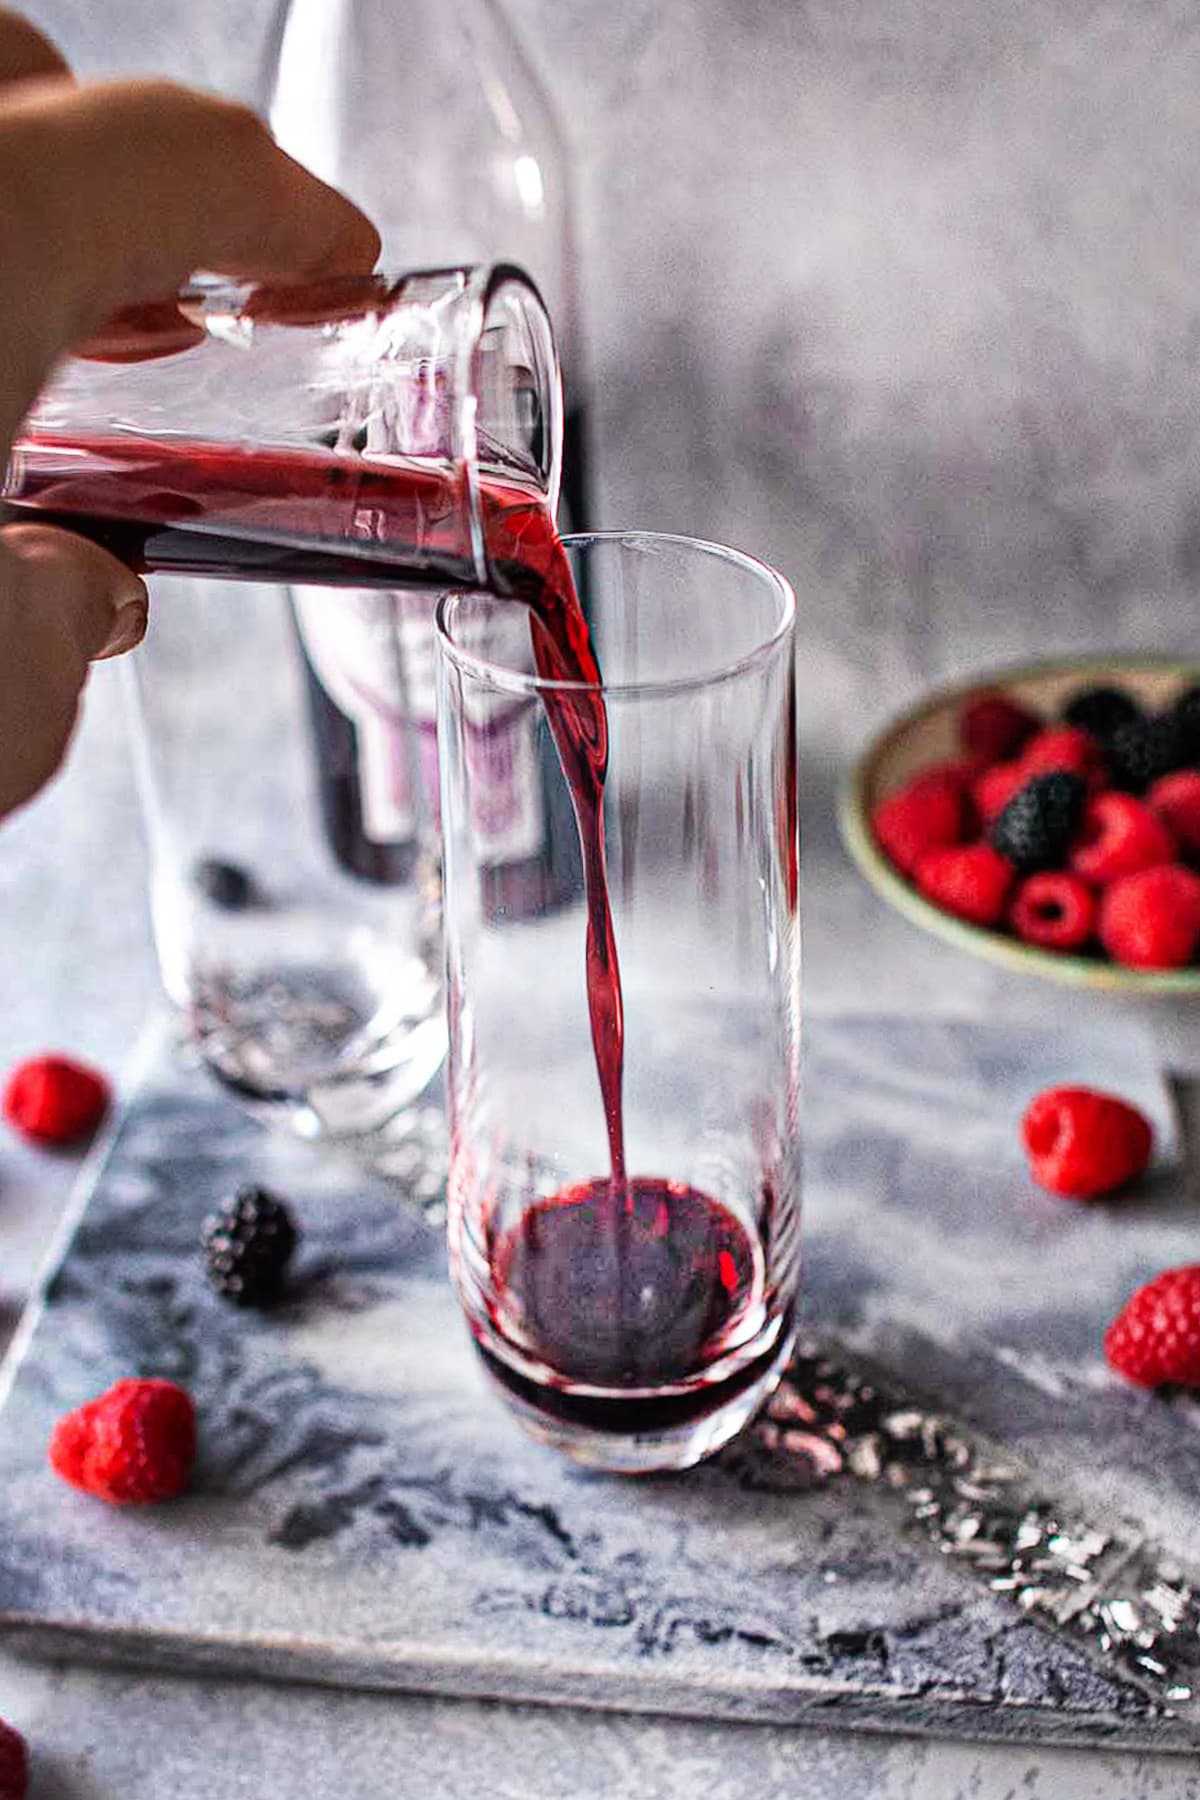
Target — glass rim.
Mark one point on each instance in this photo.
(333, 299)
(512, 681)
(481, 281)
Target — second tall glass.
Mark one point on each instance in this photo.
(633, 1317)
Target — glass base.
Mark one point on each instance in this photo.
(659, 1449)
(300, 1050)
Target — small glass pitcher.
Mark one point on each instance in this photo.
(338, 433)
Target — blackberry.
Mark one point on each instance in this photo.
(226, 884)
(1036, 827)
(1101, 710)
(1186, 714)
(1138, 753)
(248, 1242)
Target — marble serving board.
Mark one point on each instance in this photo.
(365, 1514)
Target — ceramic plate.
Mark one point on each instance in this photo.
(929, 734)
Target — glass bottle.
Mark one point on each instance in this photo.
(429, 114)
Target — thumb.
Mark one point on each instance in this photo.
(97, 602)
(64, 603)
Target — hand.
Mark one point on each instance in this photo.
(114, 194)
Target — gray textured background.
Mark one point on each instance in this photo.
(900, 295)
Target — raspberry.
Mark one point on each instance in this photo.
(993, 727)
(55, 1100)
(1142, 752)
(247, 1244)
(1057, 911)
(1118, 837)
(928, 813)
(1176, 799)
(1155, 1338)
(1151, 920)
(133, 1445)
(1101, 710)
(1081, 1143)
(960, 774)
(972, 883)
(1036, 827)
(14, 1764)
(1062, 747)
(994, 789)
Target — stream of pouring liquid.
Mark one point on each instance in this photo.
(315, 517)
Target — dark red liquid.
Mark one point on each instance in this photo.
(320, 518)
(635, 1288)
(179, 508)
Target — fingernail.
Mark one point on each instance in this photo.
(129, 628)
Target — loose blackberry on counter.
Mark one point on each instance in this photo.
(1101, 710)
(1035, 829)
(248, 1243)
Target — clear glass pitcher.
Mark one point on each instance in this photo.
(430, 115)
(355, 433)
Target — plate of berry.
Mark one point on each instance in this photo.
(1047, 818)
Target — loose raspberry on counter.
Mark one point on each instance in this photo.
(1152, 920)
(1081, 1143)
(1176, 800)
(994, 728)
(927, 813)
(14, 1764)
(1155, 1338)
(972, 882)
(55, 1100)
(1063, 747)
(1054, 910)
(1118, 836)
(132, 1446)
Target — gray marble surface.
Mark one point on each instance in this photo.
(905, 298)
(128, 1737)
(365, 1514)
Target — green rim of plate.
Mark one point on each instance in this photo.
(1025, 959)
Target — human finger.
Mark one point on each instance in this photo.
(26, 52)
(100, 605)
(63, 602)
(130, 186)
